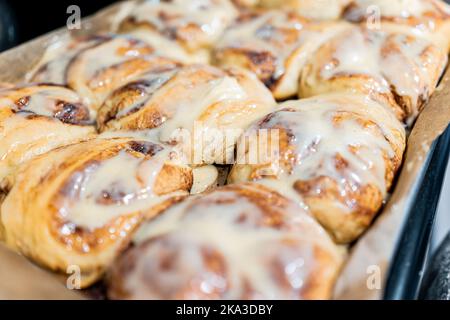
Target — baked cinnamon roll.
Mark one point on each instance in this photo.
(237, 242)
(397, 69)
(79, 205)
(199, 107)
(312, 9)
(426, 18)
(337, 156)
(275, 45)
(193, 25)
(35, 119)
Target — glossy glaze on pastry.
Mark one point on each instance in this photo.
(338, 155)
(237, 242)
(197, 99)
(275, 45)
(426, 18)
(193, 25)
(36, 118)
(79, 205)
(94, 78)
(397, 69)
(311, 9)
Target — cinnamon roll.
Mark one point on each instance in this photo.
(35, 119)
(426, 18)
(192, 25)
(312, 9)
(237, 242)
(275, 45)
(123, 59)
(337, 156)
(79, 205)
(201, 108)
(397, 69)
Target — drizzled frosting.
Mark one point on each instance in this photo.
(57, 57)
(385, 63)
(199, 107)
(195, 23)
(229, 244)
(276, 45)
(313, 9)
(35, 119)
(120, 185)
(397, 8)
(46, 100)
(429, 19)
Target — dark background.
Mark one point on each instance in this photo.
(24, 20)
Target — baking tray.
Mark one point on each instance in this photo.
(411, 253)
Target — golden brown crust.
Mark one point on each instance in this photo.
(80, 204)
(265, 231)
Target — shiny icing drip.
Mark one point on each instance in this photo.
(277, 44)
(57, 56)
(49, 101)
(150, 83)
(201, 109)
(393, 61)
(318, 137)
(104, 190)
(168, 17)
(394, 8)
(122, 59)
(219, 90)
(313, 9)
(233, 229)
(266, 32)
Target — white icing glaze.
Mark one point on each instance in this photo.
(265, 33)
(114, 187)
(45, 100)
(42, 102)
(205, 177)
(393, 61)
(85, 71)
(249, 250)
(203, 109)
(210, 16)
(220, 90)
(395, 8)
(317, 139)
(313, 9)
(153, 81)
(57, 56)
(169, 48)
(290, 40)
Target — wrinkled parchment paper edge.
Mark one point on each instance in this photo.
(375, 248)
